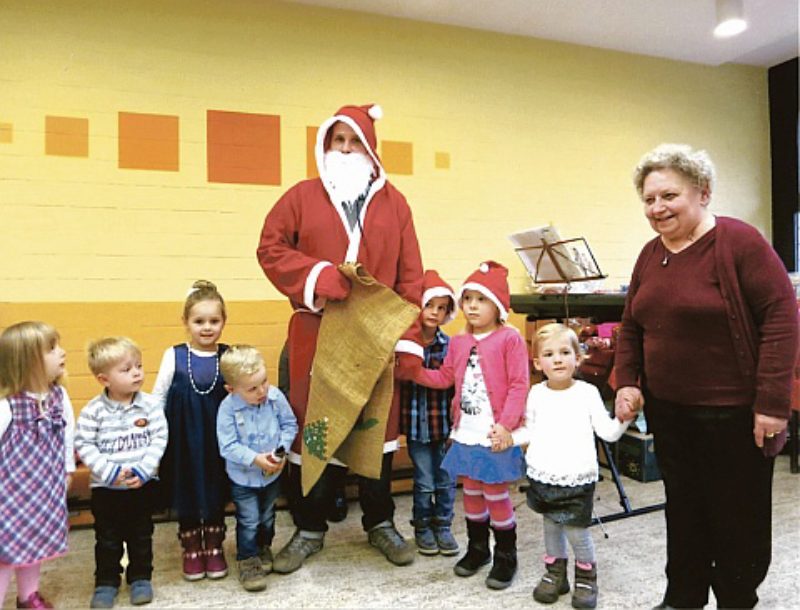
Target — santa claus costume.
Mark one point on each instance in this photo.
(306, 235)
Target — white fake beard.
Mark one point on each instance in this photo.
(348, 175)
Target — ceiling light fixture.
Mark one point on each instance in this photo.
(730, 18)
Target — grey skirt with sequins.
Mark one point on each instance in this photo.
(563, 505)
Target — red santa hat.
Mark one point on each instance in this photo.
(434, 286)
(491, 280)
(364, 118)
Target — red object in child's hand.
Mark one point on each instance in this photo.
(275, 458)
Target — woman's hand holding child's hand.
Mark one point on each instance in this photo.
(501, 438)
(628, 403)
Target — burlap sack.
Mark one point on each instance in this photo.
(352, 377)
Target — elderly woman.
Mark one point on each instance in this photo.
(708, 342)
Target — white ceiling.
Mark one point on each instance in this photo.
(673, 29)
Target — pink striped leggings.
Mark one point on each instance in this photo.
(488, 501)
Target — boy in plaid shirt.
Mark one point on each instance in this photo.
(425, 420)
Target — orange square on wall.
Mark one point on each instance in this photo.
(66, 136)
(442, 160)
(243, 148)
(397, 157)
(148, 141)
(311, 158)
(6, 132)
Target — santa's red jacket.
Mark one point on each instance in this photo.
(305, 232)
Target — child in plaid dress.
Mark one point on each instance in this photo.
(36, 457)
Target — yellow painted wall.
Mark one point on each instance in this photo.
(153, 325)
(535, 132)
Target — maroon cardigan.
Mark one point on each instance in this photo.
(762, 311)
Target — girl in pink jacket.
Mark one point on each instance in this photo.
(488, 365)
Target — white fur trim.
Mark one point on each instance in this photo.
(375, 112)
(296, 458)
(441, 291)
(485, 292)
(388, 447)
(351, 256)
(405, 346)
(311, 284)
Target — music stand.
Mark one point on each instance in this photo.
(549, 259)
(572, 260)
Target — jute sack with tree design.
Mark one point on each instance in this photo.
(352, 377)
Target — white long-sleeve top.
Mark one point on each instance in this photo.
(69, 430)
(560, 426)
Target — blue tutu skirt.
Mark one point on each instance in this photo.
(481, 464)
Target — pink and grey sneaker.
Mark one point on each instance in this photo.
(34, 601)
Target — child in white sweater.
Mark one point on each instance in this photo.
(561, 418)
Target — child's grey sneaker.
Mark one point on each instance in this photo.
(103, 597)
(445, 540)
(426, 541)
(141, 592)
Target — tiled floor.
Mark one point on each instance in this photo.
(348, 573)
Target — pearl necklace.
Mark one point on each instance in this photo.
(191, 379)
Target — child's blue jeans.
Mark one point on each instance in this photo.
(434, 492)
(255, 509)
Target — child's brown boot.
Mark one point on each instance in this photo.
(585, 594)
(553, 583)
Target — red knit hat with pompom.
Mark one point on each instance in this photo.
(434, 286)
(491, 280)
